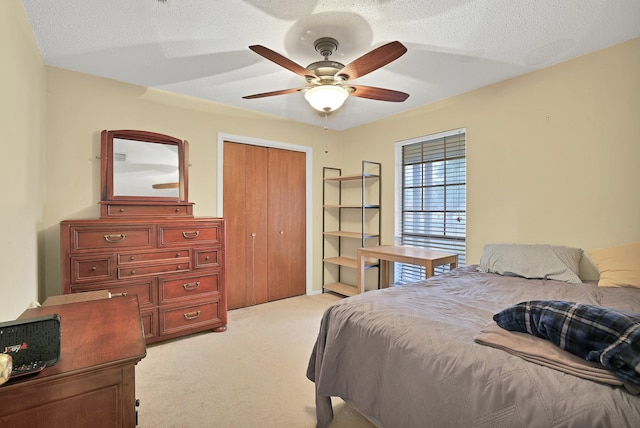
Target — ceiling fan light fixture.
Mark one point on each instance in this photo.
(326, 98)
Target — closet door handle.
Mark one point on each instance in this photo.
(115, 238)
(192, 315)
(191, 235)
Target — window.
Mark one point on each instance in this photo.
(432, 198)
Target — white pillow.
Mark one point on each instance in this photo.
(532, 261)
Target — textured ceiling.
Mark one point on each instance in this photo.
(200, 47)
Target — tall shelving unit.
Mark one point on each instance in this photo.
(350, 219)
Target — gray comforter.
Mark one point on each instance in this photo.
(406, 357)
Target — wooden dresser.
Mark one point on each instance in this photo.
(93, 383)
(175, 266)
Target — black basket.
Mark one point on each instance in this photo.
(32, 339)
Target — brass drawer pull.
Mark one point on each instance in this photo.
(123, 294)
(191, 286)
(192, 315)
(191, 235)
(93, 268)
(115, 238)
(206, 259)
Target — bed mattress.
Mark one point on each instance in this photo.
(406, 357)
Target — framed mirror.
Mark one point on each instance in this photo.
(143, 167)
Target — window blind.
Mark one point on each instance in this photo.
(433, 200)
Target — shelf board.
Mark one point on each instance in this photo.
(356, 235)
(351, 177)
(351, 206)
(343, 289)
(348, 262)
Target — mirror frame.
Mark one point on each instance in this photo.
(106, 165)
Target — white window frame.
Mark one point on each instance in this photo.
(399, 179)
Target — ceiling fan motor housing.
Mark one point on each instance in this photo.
(325, 71)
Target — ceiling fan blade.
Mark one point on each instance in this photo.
(379, 94)
(373, 60)
(271, 94)
(281, 60)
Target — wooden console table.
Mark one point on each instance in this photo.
(93, 383)
(403, 254)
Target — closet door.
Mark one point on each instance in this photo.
(245, 202)
(256, 198)
(233, 203)
(264, 201)
(286, 240)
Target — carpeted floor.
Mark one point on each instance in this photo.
(252, 375)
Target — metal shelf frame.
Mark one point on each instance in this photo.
(370, 171)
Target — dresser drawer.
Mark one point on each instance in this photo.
(208, 258)
(133, 271)
(144, 288)
(180, 255)
(126, 210)
(92, 269)
(172, 290)
(187, 317)
(111, 237)
(190, 234)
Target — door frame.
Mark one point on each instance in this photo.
(222, 137)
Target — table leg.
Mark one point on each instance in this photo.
(384, 273)
(428, 264)
(360, 263)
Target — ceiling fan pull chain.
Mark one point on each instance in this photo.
(326, 128)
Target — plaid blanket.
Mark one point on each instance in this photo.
(594, 333)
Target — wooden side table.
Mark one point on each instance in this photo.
(93, 384)
(403, 254)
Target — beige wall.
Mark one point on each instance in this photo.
(22, 112)
(553, 156)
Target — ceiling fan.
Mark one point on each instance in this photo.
(328, 82)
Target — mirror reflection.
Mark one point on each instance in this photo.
(145, 169)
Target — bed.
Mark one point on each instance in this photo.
(414, 356)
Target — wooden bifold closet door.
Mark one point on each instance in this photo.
(264, 200)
